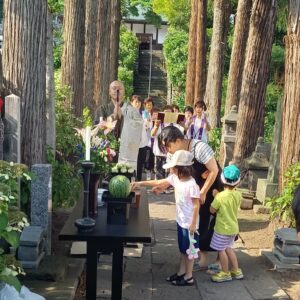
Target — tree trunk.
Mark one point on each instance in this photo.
(73, 52)
(290, 144)
(241, 31)
(24, 71)
(238, 53)
(200, 79)
(255, 77)
(91, 17)
(102, 65)
(213, 93)
(50, 88)
(191, 67)
(114, 38)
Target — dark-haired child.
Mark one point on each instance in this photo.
(200, 123)
(187, 194)
(225, 205)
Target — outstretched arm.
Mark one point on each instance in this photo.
(153, 183)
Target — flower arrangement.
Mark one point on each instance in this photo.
(103, 144)
(122, 168)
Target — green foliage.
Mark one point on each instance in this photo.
(277, 63)
(66, 181)
(128, 55)
(65, 120)
(176, 54)
(274, 94)
(57, 46)
(9, 173)
(12, 221)
(87, 118)
(56, 6)
(126, 76)
(179, 99)
(176, 11)
(215, 140)
(281, 205)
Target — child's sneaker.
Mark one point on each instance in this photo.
(238, 274)
(221, 277)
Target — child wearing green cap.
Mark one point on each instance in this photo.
(225, 205)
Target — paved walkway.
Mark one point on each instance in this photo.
(144, 278)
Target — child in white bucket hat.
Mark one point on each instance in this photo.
(187, 197)
(225, 205)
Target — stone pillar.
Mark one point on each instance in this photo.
(12, 133)
(268, 188)
(1, 138)
(229, 135)
(41, 199)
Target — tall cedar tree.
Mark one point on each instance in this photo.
(73, 51)
(24, 71)
(91, 17)
(213, 93)
(114, 38)
(241, 31)
(290, 144)
(102, 64)
(195, 81)
(255, 78)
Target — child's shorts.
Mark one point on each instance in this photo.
(183, 239)
(220, 242)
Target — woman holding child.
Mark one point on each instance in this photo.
(206, 173)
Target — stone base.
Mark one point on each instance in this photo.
(266, 189)
(275, 263)
(261, 209)
(246, 204)
(52, 268)
(285, 259)
(32, 264)
(287, 249)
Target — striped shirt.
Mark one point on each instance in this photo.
(201, 151)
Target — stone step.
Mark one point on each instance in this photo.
(60, 289)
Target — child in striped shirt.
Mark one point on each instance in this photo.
(225, 205)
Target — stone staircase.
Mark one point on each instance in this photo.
(158, 88)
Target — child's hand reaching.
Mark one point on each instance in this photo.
(157, 190)
(135, 186)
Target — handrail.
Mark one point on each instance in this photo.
(150, 67)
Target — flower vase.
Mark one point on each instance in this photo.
(95, 179)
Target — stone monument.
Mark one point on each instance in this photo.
(12, 133)
(268, 188)
(35, 241)
(257, 165)
(229, 135)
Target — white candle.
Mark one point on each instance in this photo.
(88, 143)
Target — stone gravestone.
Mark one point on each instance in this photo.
(269, 187)
(12, 132)
(1, 138)
(257, 165)
(229, 135)
(41, 199)
(35, 241)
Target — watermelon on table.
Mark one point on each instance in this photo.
(119, 186)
